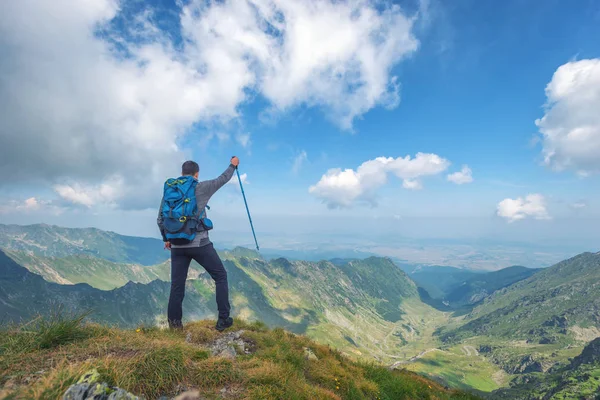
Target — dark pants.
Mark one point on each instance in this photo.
(180, 263)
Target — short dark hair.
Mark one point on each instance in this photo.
(190, 168)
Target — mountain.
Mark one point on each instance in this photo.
(24, 295)
(365, 307)
(96, 272)
(438, 281)
(558, 302)
(480, 286)
(83, 268)
(54, 241)
(579, 379)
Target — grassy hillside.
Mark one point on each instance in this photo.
(559, 302)
(366, 308)
(579, 379)
(24, 294)
(96, 272)
(475, 289)
(438, 281)
(54, 241)
(42, 359)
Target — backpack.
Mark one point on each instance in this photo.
(181, 217)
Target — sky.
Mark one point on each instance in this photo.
(425, 119)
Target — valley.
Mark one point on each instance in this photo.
(487, 332)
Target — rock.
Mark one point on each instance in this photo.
(121, 394)
(191, 395)
(228, 352)
(88, 387)
(590, 354)
(556, 321)
(230, 345)
(92, 376)
(309, 355)
(547, 340)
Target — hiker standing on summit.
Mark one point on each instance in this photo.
(184, 228)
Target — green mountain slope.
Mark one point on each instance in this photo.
(54, 241)
(24, 294)
(478, 287)
(561, 301)
(368, 308)
(96, 272)
(580, 379)
(438, 281)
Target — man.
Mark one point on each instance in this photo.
(200, 249)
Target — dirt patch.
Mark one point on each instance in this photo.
(585, 334)
(500, 377)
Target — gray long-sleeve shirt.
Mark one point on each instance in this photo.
(204, 191)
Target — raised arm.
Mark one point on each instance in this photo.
(206, 189)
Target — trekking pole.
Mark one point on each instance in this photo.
(247, 210)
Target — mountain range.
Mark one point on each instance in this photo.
(514, 329)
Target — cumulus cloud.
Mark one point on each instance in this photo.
(465, 175)
(83, 99)
(342, 188)
(106, 193)
(533, 205)
(298, 161)
(570, 127)
(29, 205)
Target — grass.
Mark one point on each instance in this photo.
(458, 369)
(40, 360)
(44, 333)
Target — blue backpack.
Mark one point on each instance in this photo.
(181, 217)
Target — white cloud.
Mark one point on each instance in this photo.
(243, 139)
(86, 105)
(570, 127)
(29, 205)
(579, 205)
(533, 205)
(298, 161)
(234, 180)
(106, 193)
(342, 188)
(462, 176)
(412, 184)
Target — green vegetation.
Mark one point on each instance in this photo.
(54, 241)
(153, 363)
(521, 334)
(475, 289)
(579, 379)
(439, 281)
(556, 302)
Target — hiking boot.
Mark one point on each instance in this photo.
(175, 325)
(223, 324)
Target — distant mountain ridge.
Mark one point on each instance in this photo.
(55, 241)
(480, 286)
(345, 305)
(545, 306)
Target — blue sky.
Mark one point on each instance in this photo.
(464, 82)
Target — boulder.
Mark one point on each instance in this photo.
(89, 387)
